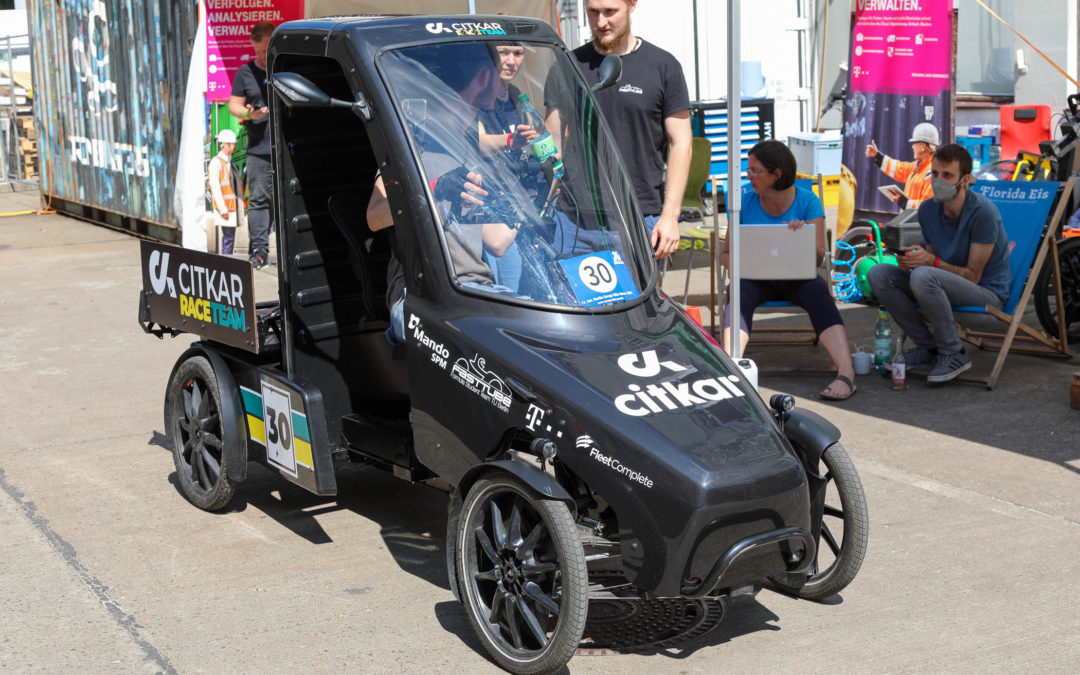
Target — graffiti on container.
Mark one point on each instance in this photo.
(118, 157)
(91, 59)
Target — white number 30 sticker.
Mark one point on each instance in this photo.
(597, 274)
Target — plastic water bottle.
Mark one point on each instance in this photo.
(882, 338)
(543, 146)
(899, 368)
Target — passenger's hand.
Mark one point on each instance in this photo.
(257, 113)
(665, 236)
(871, 150)
(523, 135)
(795, 225)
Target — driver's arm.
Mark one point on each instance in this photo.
(498, 237)
(378, 208)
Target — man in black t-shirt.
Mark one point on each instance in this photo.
(648, 111)
(248, 103)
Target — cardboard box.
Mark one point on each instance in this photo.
(817, 153)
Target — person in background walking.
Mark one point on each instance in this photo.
(221, 180)
(248, 103)
(914, 175)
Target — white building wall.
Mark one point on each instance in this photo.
(768, 35)
(1052, 28)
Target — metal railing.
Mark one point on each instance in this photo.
(18, 135)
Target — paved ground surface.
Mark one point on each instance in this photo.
(974, 501)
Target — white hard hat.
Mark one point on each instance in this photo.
(226, 136)
(927, 133)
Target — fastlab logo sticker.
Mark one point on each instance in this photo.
(586, 444)
(438, 351)
(466, 28)
(667, 395)
(474, 376)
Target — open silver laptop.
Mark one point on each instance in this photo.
(768, 252)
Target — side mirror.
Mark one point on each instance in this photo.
(610, 71)
(296, 91)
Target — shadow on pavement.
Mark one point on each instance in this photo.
(1027, 413)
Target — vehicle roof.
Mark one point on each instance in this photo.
(388, 29)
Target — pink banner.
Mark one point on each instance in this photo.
(902, 47)
(228, 37)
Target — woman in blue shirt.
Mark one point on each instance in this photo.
(775, 199)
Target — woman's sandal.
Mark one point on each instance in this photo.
(831, 397)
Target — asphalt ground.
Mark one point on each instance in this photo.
(974, 500)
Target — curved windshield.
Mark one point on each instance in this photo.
(530, 197)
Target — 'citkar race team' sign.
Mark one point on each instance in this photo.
(210, 295)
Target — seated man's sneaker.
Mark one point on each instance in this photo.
(948, 367)
(917, 356)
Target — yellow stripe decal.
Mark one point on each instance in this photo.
(303, 453)
(256, 430)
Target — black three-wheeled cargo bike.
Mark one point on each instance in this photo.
(577, 418)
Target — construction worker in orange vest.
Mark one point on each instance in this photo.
(914, 175)
(219, 176)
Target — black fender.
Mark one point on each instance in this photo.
(233, 426)
(810, 434)
(543, 485)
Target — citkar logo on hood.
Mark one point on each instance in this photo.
(658, 397)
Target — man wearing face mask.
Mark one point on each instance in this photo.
(964, 261)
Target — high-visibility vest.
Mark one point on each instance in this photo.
(915, 176)
(226, 187)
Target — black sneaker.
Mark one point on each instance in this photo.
(258, 261)
(917, 356)
(948, 367)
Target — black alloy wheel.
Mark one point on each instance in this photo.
(1046, 294)
(193, 424)
(522, 575)
(845, 529)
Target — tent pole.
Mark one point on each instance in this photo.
(734, 186)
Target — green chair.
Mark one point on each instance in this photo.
(693, 206)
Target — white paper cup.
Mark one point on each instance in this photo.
(861, 361)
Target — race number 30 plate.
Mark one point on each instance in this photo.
(599, 278)
(277, 418)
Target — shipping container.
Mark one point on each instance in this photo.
(109, 80)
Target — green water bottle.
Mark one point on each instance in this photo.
(543, 146)
(882, 339)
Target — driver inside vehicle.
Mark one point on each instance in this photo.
(471, 240)
(510, 224)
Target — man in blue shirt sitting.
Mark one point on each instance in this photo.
(964, 261)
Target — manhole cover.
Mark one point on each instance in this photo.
(617, 625)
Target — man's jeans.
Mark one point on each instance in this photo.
(259, 213)
(931, 324)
